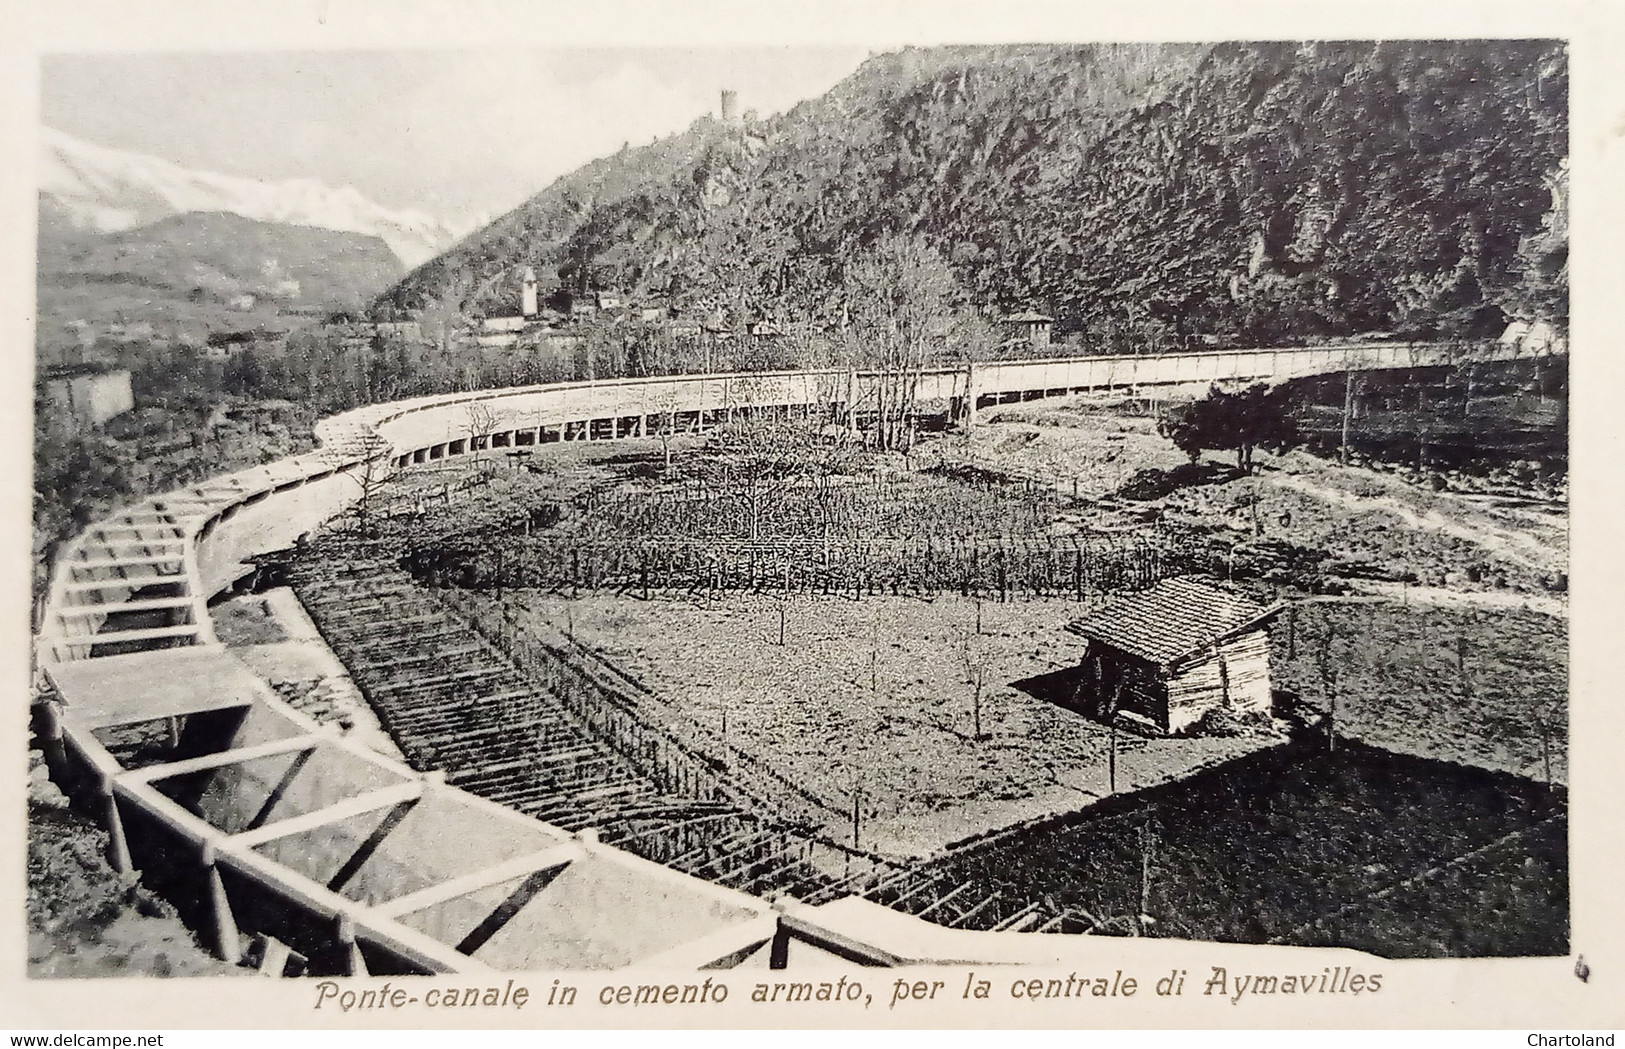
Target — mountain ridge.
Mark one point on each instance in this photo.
(1146, 195)
(110, 190)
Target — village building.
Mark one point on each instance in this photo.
(504, 332)
(1534, 337)
(137, 331)
(1029, 327)
(225, 345)
(83, 397)
(1167, 657)
(410, 330)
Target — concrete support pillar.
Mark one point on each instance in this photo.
(643, 425)
(227, 945)
(118, 847)
(970, 396)
(778, 952)
(614, 427)
(49, 727)
(350, 952)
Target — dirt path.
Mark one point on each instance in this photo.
(1444, 597)
(1514, 544)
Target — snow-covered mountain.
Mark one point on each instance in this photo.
(106, 190)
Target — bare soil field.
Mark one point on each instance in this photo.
(878, 696)
(1456, 651)
(1459, 648)
(1361, 521)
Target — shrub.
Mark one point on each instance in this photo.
(1241, 421)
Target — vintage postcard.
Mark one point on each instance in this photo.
(676, 518)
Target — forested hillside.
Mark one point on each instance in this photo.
(1146, 195)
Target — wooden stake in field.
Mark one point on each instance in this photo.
(1348, 410)
(1546, 752)
(1328, 682)
(1543, 724)
(1111, 723)
(975, 676)
(1147, 844)
(1111, 760)
(857, 797)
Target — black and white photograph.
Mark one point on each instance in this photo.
(747, 516)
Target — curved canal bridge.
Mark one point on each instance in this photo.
(258, 819)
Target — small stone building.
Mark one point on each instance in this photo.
(1029, 327)
(1168, 656)
(85, 396)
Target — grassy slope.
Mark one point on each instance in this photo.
(181, 273)
(83, 919)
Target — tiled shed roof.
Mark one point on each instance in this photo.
(1172, 619)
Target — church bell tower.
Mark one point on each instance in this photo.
(527, 301)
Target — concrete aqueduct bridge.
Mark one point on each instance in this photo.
(256, 820)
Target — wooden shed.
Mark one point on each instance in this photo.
(1166, 657)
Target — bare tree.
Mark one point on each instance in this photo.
(900, 298)
(973, 655)
(666, 403)
(370, 470)
(481, 420)
(765, 457)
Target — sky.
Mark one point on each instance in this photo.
(458, 134)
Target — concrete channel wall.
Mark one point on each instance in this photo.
(259, 820)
